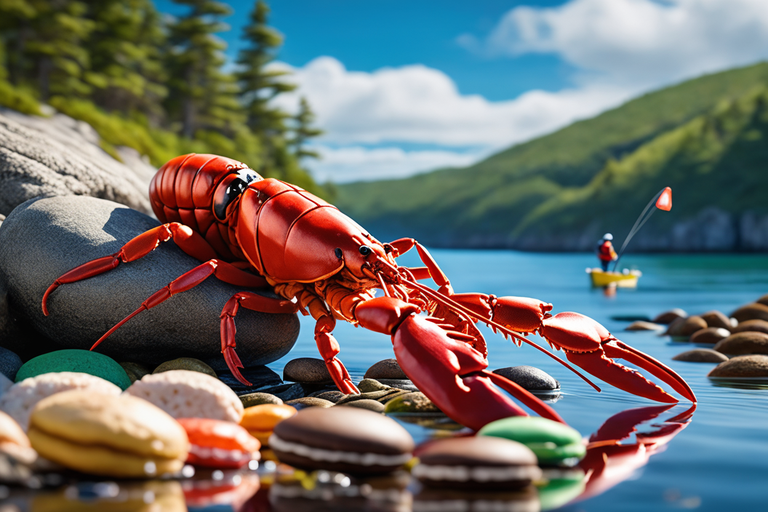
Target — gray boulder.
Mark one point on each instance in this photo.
(44, 238)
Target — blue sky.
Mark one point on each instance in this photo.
(408, 86)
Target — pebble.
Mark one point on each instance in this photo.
(717, 319)
(529, 377)
(742, 366)
(135, 371)
(741, 343)
(252, 399)
(309, 401)
(710, 335)
(186, 363)
(687, 326)
(386, 369)
(261, 378)
(405, 384)
(331, 396)
(644, 326)
(752, 325)
(75, 360)
(9, 363)
(751, 312)
(371, 405)
(670, 316)
(307, 370)
(382, 396)
(701, 355)
(411, 402)
(368, 384)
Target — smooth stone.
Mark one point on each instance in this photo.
(742, 366)
(186, 363)
(752, 325)
(717, 319)
(701, 355)
(743, 343)
(135, 371)
(754, 311)
(371, 405)
(309, 401)
(384, 394)
(44, 238)
(307, 370)
(710, 335)
(366, 385)
(73, 360)
(687, 326)
(9, 363)
(405, 384)
(331, 396)
(644, 326)
(670, 316)
(529, 377)
(252, 399)
(260, 377)
(411, 402)
(385, 369)
(5, 314)
(285, 391)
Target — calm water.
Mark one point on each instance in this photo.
(720, 461)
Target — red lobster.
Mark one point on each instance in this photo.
(257, 232)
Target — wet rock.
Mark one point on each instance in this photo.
(262, 378)
(752, 325)
(9, 363)
(135, 371)
(644, 326)
(383, 396)
(371, 405)
(754, 311)
(331, 396)
(411, 402)
(670, 316)
(687, 326)
(741, 343)
(405, 384)
(367, 385)
(309, 401)
(710, 335)
(307, 370)
(742, 366)
(42, 239)
(701, 355)
(717, 319)
(186, 363)
(386, 369)
(529, 377)
(251, 399)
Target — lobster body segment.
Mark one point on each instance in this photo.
(259, 233)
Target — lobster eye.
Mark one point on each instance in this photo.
(365, 250)
(230, 189)
(339, 254)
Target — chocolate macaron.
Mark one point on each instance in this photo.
(477, 463)
(342, 439)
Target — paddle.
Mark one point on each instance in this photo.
(663, 201)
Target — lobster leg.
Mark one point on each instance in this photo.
(329, 349)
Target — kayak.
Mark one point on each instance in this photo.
(626, 279)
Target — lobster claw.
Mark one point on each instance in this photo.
(590, 346)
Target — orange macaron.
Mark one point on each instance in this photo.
(260, 420)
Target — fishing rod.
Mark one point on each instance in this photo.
(663, 201)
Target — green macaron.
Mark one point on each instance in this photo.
(553, 443)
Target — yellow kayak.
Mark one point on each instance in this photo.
(626, 279)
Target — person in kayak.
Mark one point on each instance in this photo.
(606, 252)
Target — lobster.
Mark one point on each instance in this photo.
(257, 233)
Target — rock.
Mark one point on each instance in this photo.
(5, 315)
(686, 327)
(252, 399)
(61, 157)
(9, 363)
(368, 384)
(383, 396)
(411, 402)
(79, 361)
(262, 379)
(135, 371)
(399, 384)
(307, 370)
(717, 319)
(710, 335)
(386, 369)
(701, 355)
(752, 325)
(331, 396)
(529, 378)
(742, 366)
(644, 326)
(44, 238)
(748, 342)
(750, 312)
(309, 401)
(670, 316)
(285, 391)
(371, 405)
(186, 363)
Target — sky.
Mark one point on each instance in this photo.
(402, 87)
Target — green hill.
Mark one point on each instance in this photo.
(706, 138)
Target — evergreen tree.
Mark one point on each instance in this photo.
(15, 17)
(303, 131)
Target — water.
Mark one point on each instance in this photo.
(719, 461)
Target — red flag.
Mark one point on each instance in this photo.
(664, 202)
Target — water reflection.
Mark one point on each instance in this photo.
(740, 383)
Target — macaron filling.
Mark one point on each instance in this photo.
(206, 452)
(476, 473)
(319, 454)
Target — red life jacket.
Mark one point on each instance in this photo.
(605, 251)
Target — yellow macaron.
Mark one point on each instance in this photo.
(260, 420)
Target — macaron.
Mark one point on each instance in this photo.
(260, 420)
(117, 436)
(477, 463)
(188, 394)
(553, 443)
(219, 444)
(344, 439)
(13, 440)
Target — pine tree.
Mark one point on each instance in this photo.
(303, 131)
(15, 17)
